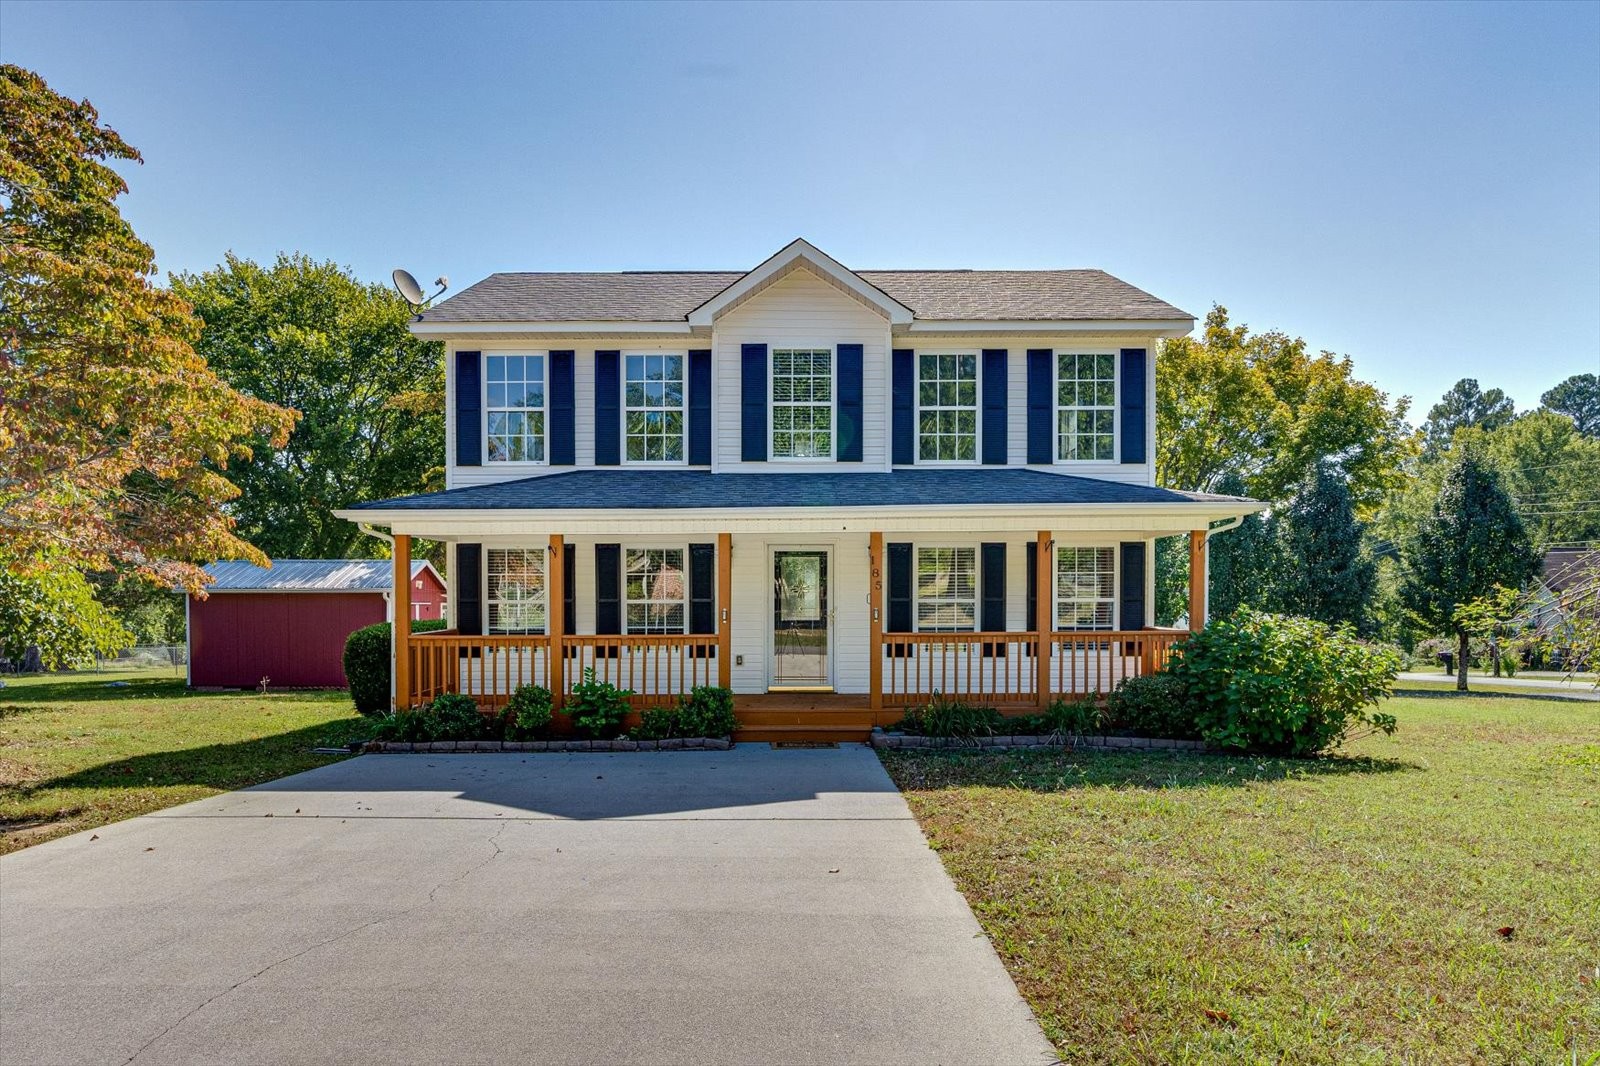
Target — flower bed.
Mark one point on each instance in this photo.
(392, 747)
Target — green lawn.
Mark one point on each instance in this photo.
(75, 753)
(1164, 907)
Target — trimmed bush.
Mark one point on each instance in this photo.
(452, 716)
(528, 712)
(366, 665)
(707, 711)
(597, 708)
(1155, 705)
(1273, 683)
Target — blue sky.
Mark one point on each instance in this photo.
(1416, 186)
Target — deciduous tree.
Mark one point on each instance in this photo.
(115, 437)
(1578, 398)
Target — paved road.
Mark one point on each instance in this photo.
(736, 907)
(1543, 686)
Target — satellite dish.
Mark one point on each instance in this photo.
(408, 288)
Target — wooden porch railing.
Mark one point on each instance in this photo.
(1000, 668)
(658, 668)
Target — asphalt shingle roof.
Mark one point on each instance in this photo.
(623, 489)
(306, 575)
(933, 295)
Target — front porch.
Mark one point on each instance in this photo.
(901, 667)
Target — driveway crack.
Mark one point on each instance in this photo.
(493, 841)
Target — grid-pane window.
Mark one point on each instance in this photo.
(514, 396)
(947, 407)
(1086, 406)
(656, 590)
(947, 589)
(802, 404)
(1086, 584)
(516, 590)
(653, 397)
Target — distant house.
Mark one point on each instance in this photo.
(1565, 587)
(288, 624)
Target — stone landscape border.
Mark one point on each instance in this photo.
(896, 741)
(391, 747)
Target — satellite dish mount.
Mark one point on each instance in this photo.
(411, 292)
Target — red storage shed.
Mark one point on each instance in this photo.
(288, 624)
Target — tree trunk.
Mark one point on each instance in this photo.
(1494, 654)
(1461, 661)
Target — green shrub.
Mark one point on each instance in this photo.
(1026, 725)
(452, 716)
(597, 708)
(1155, 705)
(1274, 683)
(528, 712)
(953, 718)
(657, 723)
(366, 665)
(707, 711)
(1071, 718)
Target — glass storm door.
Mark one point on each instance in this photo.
(800, 619)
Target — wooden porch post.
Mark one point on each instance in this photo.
(1043, 599)
(556, 614)
(1197, 580)
(401, 630)
(875, 614)
(725, 610)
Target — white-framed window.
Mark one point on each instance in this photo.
(653, 407)
(1086, 406)
(514, 407)
(1086, 587)
(655, 590)
(515, 590)
(802, 403)
(947, 589)
(947, 407)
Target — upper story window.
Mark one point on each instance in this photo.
(1086, 584)
(514, 387)
(947, 590)
(653, 415)
(655, 592)
(1086, 406)
(947, 407)
(802, 403)
(515, 593)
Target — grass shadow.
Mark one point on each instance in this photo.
(1474, 694)
(1063, 769)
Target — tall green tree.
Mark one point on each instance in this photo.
(51, 610)
(1327, 572)
(1578, 398)
(308, 335)
(1471, 541)
(1463, 406)
(1262, 408)
(1245, 563)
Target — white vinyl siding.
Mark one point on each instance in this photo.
(653, 407)
(947, 407)
(1086, 406)
(514, 407)
(515, 590)
(801, 416)
(946, 588)
(1086, 587)
(655, 591)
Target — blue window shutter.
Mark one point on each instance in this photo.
(563, 412)
(992, 587)
(994, 407)
(904, 399)
(469, 409)
(608, 588)
(466, 590)
(1031, 561)
(1132, 593)
(700, 407)
(569, 589)
(848, 444)
(1041, 406)
(753, 402)
(702, 588)
(608, 410)
(1134, 368)
(899, 560)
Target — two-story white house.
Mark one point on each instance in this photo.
(835, 492)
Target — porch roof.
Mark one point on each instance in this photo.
(623, 489)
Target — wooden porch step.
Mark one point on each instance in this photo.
(770, 734)
(830, 717)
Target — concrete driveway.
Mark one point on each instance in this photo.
(748, 906)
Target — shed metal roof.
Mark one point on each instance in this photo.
(307, 575)
(643, 490)
(933, 295)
